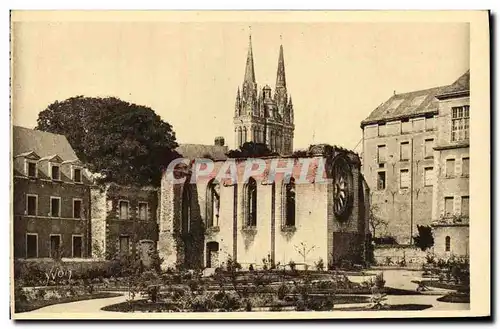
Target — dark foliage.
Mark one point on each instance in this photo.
(127, 143)
(424, 240)
(251, 150)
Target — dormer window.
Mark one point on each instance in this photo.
(77, 175)
(55, 172)
(32, 169)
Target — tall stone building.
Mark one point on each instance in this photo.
(261, 117)
(416, 161)
(398, 161)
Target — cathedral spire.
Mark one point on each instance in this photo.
(280, 76)
(249, 69)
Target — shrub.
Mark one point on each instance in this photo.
(379, 280)
(282, 291)
(292, 265)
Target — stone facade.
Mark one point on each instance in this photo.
(261, 117)
(414, 133)
(451, 193)
(407, 143)
(122, 217)
(317, 232)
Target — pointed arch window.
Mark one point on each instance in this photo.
(251, 203)
(186, 209)
(244, 135)
(213, 203)
(289, 203)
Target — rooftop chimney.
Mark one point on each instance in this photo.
(219, 141)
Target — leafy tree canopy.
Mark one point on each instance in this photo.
(127, 143)
(251, 150)
(424, 240)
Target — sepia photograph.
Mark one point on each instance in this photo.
(249, 165)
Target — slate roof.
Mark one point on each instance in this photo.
(44, 144)
(193, 151)
(460, 86)
(414, 103)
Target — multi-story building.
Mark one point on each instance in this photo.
(262, 117)
(451, 157)
(416, 161)
(51, 197)
(398, 161)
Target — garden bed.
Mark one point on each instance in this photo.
(455, 297)
(144, 305)
(398, 307)
(443, 285)
(26, 306)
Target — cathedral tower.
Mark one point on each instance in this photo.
(261, 117)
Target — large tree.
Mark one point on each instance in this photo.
(127, 143)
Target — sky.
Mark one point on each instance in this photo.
(188, 73)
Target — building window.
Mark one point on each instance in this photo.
(32, 170)
(213, 203)
(77, 175)
(450, 167)
(447, 243)
(55, 206)
(31, 245)
(429, 122)
(428, 176)
(381, 180)
(381, 154)
(404, 178)
(143, 211)
(77, 208)
(404, 151)
(448, 205)
(290, 203)
(123, 205)
(465, 206)
(465, 167)
(460, 123)
(77, 246)
(124, 244)
(186, 208)
(55, 172)
(31, 205)
(251, 203)
(428, 148)
(55, 246)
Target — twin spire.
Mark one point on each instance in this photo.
(250, 71)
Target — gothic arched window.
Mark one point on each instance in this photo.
(213, 203)
(251, 203)
(447, 243)
(271, 141)
(244, 135)
(186, 209)
(289, 203)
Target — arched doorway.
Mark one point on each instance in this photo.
(212, 254)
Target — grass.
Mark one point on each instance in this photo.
(27, 306)
(455, 297)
